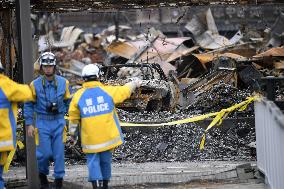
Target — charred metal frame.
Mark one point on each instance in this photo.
(151, 66)
(145, 94)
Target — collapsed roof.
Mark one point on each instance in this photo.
(80, 5)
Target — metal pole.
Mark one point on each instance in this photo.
(25, 57)
(116, 23)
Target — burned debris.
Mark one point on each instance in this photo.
(155, 93)
(199, 70)
(201, 73)
(181, 143)
(177, 69)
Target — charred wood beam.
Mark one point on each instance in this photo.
(116, 23)
(6, 47)
(79, 5)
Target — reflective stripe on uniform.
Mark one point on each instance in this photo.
(102, 145)
(6, 143)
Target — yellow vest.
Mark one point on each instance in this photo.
(10, 94)
(93, 107)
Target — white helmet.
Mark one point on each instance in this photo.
(91, 71)
(47, 59)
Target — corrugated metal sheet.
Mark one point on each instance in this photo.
(279, 65)
(181, 51)
(160, 50)
(205, 58)
(205, 31)
(269, 123)
(123, 49)
(278, 51)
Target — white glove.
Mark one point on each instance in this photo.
(73, 131)
(73, 128)
(136, 82)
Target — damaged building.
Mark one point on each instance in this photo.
(194, 58)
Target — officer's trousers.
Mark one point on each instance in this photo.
(50, 146)
(99, 166)
(1, 176)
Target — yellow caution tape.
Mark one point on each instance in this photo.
(224, 113)
(11, 155)
(219, 116)
(187, 120)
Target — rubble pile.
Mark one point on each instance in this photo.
(280, 93)
(181, 143)
(221, 96)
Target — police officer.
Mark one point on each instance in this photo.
(10, 94)
(93, 107)
(52, 95)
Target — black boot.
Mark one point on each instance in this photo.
(105, 184)
(43, 181)
(96, 185)
(58, 183)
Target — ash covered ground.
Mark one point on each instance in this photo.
(181, 142)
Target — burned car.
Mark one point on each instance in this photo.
(156, 92)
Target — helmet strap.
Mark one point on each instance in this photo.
(91, 78)
(54, 70)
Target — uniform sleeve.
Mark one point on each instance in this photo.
(18, 92)
(29, 107)
(67, 95)
(74, 111)
(119, 93)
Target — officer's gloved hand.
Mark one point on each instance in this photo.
(73, 140)
(137, 81)
(134, 83)
(74, 132)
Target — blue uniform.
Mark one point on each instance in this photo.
(1, 179)
(49, 125)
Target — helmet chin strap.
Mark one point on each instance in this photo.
(49, 75)
(91, 78)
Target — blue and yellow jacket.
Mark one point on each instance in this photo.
(44, 93)
(94, 107)
(10, 94)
